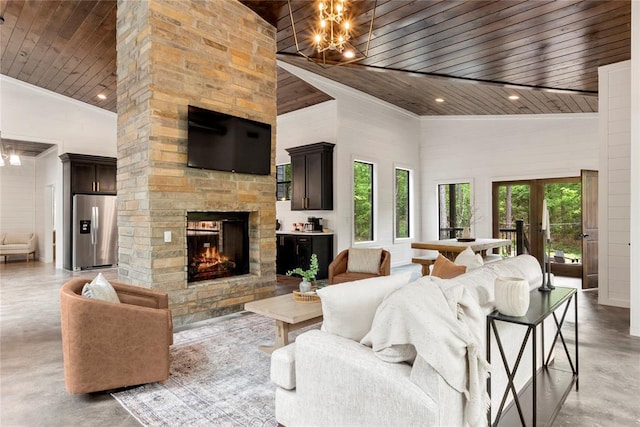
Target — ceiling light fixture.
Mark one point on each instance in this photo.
(13, 158)
(335, 30)
(329, 41)
(102, 96)
(514, 97)
(439, 100)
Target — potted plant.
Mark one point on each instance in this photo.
(473, 218)
(308, 275)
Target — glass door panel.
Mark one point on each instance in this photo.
(523, 200)
(564, 202)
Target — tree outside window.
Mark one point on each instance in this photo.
(455, 211)
(283, 182)
(363, 201)
(402, 218)
(564, 201)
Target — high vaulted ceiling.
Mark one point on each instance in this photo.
(472, 54)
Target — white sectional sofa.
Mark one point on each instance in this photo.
(18, 244)
(328, 378)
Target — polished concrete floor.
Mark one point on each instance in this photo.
(32, 389)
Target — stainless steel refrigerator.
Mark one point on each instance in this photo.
(95, 234)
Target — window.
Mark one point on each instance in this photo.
(362, 201)
(454, 207)
(402, 203)
(283, 182)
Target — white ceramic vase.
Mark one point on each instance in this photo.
(466, 232)
(512, 296)
(305, 286)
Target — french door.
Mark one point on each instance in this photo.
(572, 205)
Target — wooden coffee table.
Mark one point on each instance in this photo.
(288, 314)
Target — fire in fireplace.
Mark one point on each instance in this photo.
(217, 245)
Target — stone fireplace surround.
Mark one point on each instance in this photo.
(215, 55)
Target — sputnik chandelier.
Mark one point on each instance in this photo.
(330, 42)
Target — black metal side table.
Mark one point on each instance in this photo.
(541, 399)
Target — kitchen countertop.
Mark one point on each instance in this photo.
(302, 233)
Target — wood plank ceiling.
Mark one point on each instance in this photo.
(23, 148)
(474, 54)
(471, 54)
(66, 46)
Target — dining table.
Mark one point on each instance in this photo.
(450, 248)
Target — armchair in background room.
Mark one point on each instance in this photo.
(110, 345)
(18, 244)
(359, 263)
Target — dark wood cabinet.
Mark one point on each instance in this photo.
(89, 174)
(286, 258)
(106, 178)
(312, 176)
(83, 174)
(295, 250)
(82, 177)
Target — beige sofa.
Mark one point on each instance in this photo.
(328, 379)
(18, 244)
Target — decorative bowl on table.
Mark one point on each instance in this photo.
(306, 297)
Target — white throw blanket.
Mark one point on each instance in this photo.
(445, 325)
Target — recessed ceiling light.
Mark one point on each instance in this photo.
(349, 54)
(514, 97)
(102, 96)
(439, 100)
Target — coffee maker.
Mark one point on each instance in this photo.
(316, 223)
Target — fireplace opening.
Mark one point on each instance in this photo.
(217, 245)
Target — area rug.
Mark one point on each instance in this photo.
(218, 377)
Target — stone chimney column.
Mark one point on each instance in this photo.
(214, 54)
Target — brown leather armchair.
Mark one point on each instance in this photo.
(107, 346)
(338, 268)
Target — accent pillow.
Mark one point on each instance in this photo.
(100, 289)
(469, 259)
(447, 269)
(364, 260)
(348, 308)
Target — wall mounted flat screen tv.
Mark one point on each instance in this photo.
(222, 142)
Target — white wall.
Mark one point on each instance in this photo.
(635, 168)
(30, 113)
(614, 183)
(17, 197)
(302, 127)
(48, 189)
(388, 137)
(363, 128)
(484, 149)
